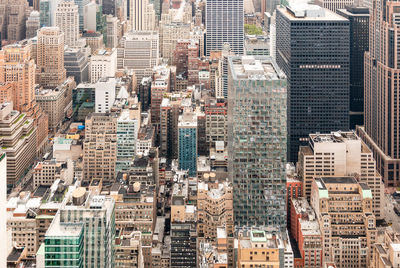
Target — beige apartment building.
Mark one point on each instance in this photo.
(21, 221)
(128, 250)
(344, 210)
(50, 71)
(339, 154)
(214, 208)
(57, 102)
(67, 19)
(48, 171)
(135, 206)
(100, 147)
(386, 254)
(17, 140)
(259, 249)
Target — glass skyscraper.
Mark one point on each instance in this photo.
(257, 141)
(187, 128)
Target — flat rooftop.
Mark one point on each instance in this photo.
(333, 137)
(339, 180)
(306, 12)
(255, 68)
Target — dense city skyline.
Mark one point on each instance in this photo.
(200, 133)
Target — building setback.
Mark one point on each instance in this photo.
(312, 48)
(257, 141)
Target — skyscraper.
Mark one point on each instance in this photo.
(142, 15)
(17, 73)
(382, 82)
(187, 137)
(312, 48)
(82, 233)
(257, 141)
(127, 131)
(67, 19)
(50, 57)
(224, 24)
(359, 44)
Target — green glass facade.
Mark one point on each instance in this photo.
(64, 251)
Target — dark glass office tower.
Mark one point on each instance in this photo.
(312, 48)
(359, 43)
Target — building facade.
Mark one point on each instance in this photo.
(50, 57)
(100, 147)
(359, 44)
(256, 124)
(340, 154)
(187, 139)
(224, 24)
(57, 103)
(381, 66)
(317, 69)
(344, 212)
(67, 19)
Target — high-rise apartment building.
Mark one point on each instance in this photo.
(359, 44)
(128, 125)
(339, 154)
(214, 210)
(224, 24)
(112, 31)
(381, 105)
(50, 57)
(170, 33)
(344, 211)
(216, 122)
(12, 19)
(87, 225)
(17, 73)
(141, 15)
(16, 66)
(187, 139)
(105, 94)
(161, 84)
(67, 19)
(103, 63)
(257, 141)
(32, 24)
(139, 51)
(312, 48)
(100, 147)
(18, 141)
(57, 102)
